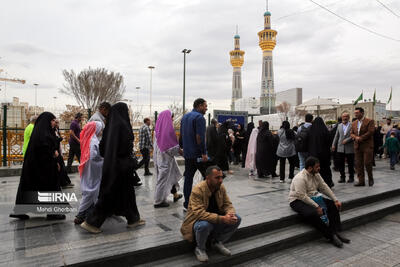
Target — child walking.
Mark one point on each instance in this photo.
(393, 148)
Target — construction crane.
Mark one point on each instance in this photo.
(11, 80)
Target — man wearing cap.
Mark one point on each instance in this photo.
(74, 142)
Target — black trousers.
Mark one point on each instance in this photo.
(146, 159)
(237, 151)
(191, 166)
(341, 165)
(282, 163)
(74, 150)
(310, 216)
(244, 154)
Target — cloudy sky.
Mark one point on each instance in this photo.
(315, 50)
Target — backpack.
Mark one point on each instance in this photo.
(301, 141)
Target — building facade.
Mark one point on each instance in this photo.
(237, 59)
(249, 104)
(377, 112)
(267, 42)
(293, 96)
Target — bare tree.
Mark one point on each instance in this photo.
(93, 86)
(283, 110)
(177, 109)
(67, 116)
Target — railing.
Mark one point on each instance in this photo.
(15, 141)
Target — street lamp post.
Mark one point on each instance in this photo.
(137, 96)
(184, 51)
(36, 85)
(151, 81)
(54, 103)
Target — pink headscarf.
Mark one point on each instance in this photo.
(165, 133)
(90, 129)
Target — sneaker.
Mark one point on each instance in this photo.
(161, 205)
(90, 228)
(218, 246)
(201, 255)
(139, 183)
(137, 223)
(184, 209)
(343, 239)
(20, 216)
(281, 181)
(78, 220)
(392, 167)
(177, 197)
(336, 241)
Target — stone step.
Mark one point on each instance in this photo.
(171, 244)
(260, 245)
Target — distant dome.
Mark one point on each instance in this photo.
(237, 36)
(267, 13)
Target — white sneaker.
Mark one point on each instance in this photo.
(218, 246)
(184, 209)
(281, 181)
(201, 255)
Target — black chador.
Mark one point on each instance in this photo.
(39, 170)
(264, 152)
(117, 193)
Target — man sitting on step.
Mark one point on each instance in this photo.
(318, 211)
(210, 215)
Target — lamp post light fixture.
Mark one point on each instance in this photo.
(36, 85)
(184, 51)
(151, 81)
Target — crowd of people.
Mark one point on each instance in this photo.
(107, 169)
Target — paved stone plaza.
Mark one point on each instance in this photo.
(41, 242)
(375, 244)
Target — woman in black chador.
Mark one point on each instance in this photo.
(117, 193)
(40, 168)
(319, 145)
(224, 145)
(264, 152)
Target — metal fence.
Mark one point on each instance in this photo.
(14, 137)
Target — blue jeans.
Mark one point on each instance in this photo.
(191, 166)
(219, 232)
(393, 158)
(302, 159)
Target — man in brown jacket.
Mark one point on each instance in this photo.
(210, 214)
(362, 132)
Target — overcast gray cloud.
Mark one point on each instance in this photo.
(315, 50)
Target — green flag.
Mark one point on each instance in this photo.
(358, 99)
(390, 97)
(374, 98)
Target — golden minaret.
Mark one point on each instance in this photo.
(267, 42)
(237, 59)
